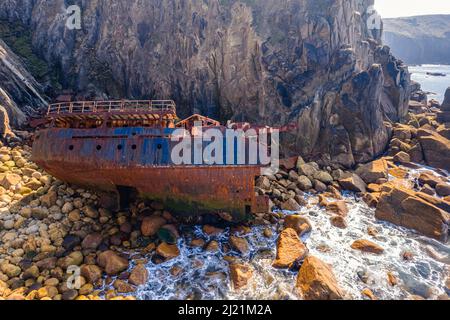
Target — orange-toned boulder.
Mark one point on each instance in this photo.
(298, 223)
(414, 210)
(240, 275)
(290, 249)
(316, 281)
(367, 246)
(353, 183)
(338, 208)
(139, 275)
(436, 149)
(373, 171)
(168, 251)
(112, 262)
(239, 244)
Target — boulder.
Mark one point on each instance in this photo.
(291, 205)
(112, 263)
(139, 275)
(239, 244)
(10, 180)
(304, 183)
(446, 104)
(413, 210)
(352, 182)
(151, 225)
(371, 172)
(316, 281)
(367, 246)
(338, 222)
(168, 251)
(92, 241)
(443, 189)
(240, 275)
(298, 223)
(290, 249)
(91, 273)
(436, 149)
(402, 157)
(338, 208)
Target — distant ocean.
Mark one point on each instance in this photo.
(434, 84)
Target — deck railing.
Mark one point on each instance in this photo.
(82, 107)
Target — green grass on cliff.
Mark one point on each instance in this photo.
(18, 38)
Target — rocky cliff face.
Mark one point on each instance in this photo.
(20, 94)
(274, 62)
(419, 40)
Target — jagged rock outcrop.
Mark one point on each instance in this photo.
(419, 40)
(311, 62)
(20, 94)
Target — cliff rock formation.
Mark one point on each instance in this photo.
(311, 62)
(20, 93)
(419, 40)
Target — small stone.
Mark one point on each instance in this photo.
(92, 241)
(86, 289)
(443, 189)
(67, 208)
(168, 251)
(239, 244)
(240, 275)
(139, 275)
(369, 294)
(338, 208)
(338, 222)
(123, 287)
(212, 231)
(392, 279)
(74, 215)
(70, 242)
(151, 225)
(367, 246)
(112, 263)
(197, 243)
(70, 295)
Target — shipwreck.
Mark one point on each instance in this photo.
(125, 148)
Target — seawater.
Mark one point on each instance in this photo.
(205, 275)
(434, 84)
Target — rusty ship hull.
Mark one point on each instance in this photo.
(138, 159)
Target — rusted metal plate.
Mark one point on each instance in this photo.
(140, 158)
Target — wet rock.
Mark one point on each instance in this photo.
(197, 243)
(338, 222)
(112, 263)
(91, 273)
(319, 186)
(212, 231)
(299, 223)
(123, 287)
(316, 281)
(367, 246)
(369, 294)
(31, 273)
(239, 244)
(323, 177)
(409, 209)
(392, 279)
(10, 270)
(338, 208)
(240, 275)
(139, 275)
(213, 246)
(353, 182)
(427, 190)
(373, 171)
(168, 251)
(151, 225)
(290, 249)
